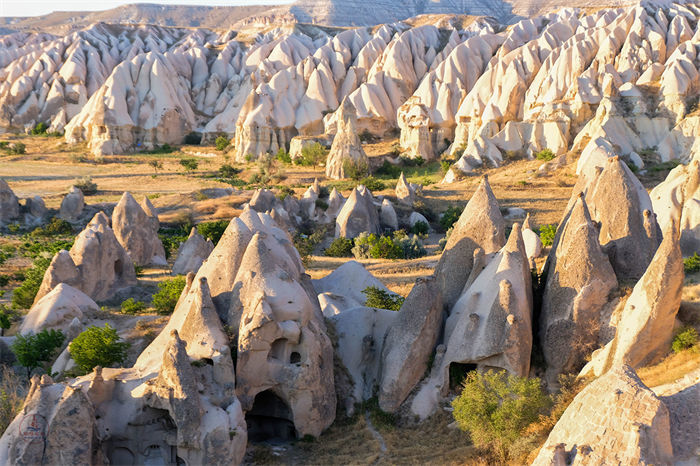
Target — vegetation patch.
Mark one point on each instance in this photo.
(169, 292)
(98, 347)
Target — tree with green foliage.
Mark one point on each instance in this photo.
(4, 320)
(686, 339)
(450, 217)
(23, 296)
(56, 226)
(221, 143)
(131, 306)
(340, 247)
(189, 165)
(691, 264)
(37, 350)
(420, 228)
(312, 155)
(39, 129)
(213, 230)
(283, 156)
(98, 347)
(376, 297)
(169, 292)
(495, 408)
(156, 165)
(545, 155)
(547, 233)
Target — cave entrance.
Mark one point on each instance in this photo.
(458, 372)
(270, 419)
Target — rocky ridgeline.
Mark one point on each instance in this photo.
(255, 349)
(613, 82)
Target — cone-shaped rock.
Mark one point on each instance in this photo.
(72, 205)
(358, 215)
(57, 310)
(346, 149)
(579, 280)
(335, 203)
(9, 204)
(405, 192)
(137, 231)
(481, 225)
(192, 253)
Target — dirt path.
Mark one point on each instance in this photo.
(376, 435)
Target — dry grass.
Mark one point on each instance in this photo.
(672, 368)
(13, 390)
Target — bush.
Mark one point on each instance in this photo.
(495, 408)
(23, 296)
(37, 350)
(412, 247)
(227, 171)
(193, 139)
(213, 230)
(355, 170)
(39, 129)
(86, 185)
(685, 339)
(321, 204)
(420, 228)
(189, 165)
(283, 192)
(169, 292)
(547, 233)
(386, 248)
(691, 264)
(98, 347)
(372, 184)
(312, 155)
(221, 143)
(133, 307)
(340, 247)
(450, 217)
(171, 239)
(56, 226)
(545, 155)
(283, 156)
(376, 297)
(388, 170)
(18, 148)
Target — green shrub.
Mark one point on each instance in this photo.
(412, 247)
(37, 350)
(355, 170)
(39, 129)
(283, 156)
(189, 164)
(547, 233)
(12, 395)
(227, 171)
(376, 297)
(130, 306)
(221, 143)
(450, 217)
(36, 249)
(98, 347)
(163, 149)
(23, 296)
(172, 237)
(56, 226)
(213, 230)
(685, 339)
(321, 204)
(4, 280)
(169, 292)
(340, 247)
(545, 155)
(312, 155)
(388, 170)
(386, 248)
(420, 228)
(17, 148)
(495, 408)
(691, 264)
(86, 185)
(372, 184)
(283, 192)
(412, 161)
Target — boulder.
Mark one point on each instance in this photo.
(137, 231)
(346, 148)
(409, 343)
(358, 215)
(9, 204)
(36, 210)
(57, 310)
(415, 218)
(616, 419)
(579, 282)
(342, 288)
(387, 216)
(192, 253)
(481, 225)
(645, 328)
(97, 264)
(72, 205)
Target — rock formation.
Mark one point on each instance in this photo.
(645, 329)
(533, 243)
(387, 216)
(335, 203)
(192, 253)
(346, 151)
(614, 420)
(57, 310)
(9, 204)
(358, 215)
(97, 264)
(136, 230)
(579, 282)
(481, 226)
(72, 205)
(414, 121)
(406, 192)
(409, 343)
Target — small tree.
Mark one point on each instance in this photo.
(37, 350)
(495, 408)
(545, 155)
(169, 292)
(376, 297)
(189, 165)
(221, 143)
(157, 165)
(213, 230)
(450, 217)
(98, 347)
(547, 234)
(23, 296)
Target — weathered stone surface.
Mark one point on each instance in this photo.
(335, 203)
(481, 225)
(405, 191)
(192, 253)
(579, 281)
(410, 341)
(97, 264)
(57, 310)
(358, 215)
(137, 231)
(9, 204)
(387, 216)
(72, 205)
(346, 148)
(616, 419)
(262, 200)
(413, 119)
(645, 329)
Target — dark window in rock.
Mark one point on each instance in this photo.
(295, 358)
(458, 372)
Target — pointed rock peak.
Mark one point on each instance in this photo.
(149, 208)
(334, 193)
(193, 232)
(316, 185)
(526, 223)
(100, 219)
(402, 178)
(250, 217)
(515, 239)
(482, 202)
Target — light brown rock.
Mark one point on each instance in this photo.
(347, 147)
(72, 205)
(358, 215)
(137, 231)
(9, 204)
(192, 253)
